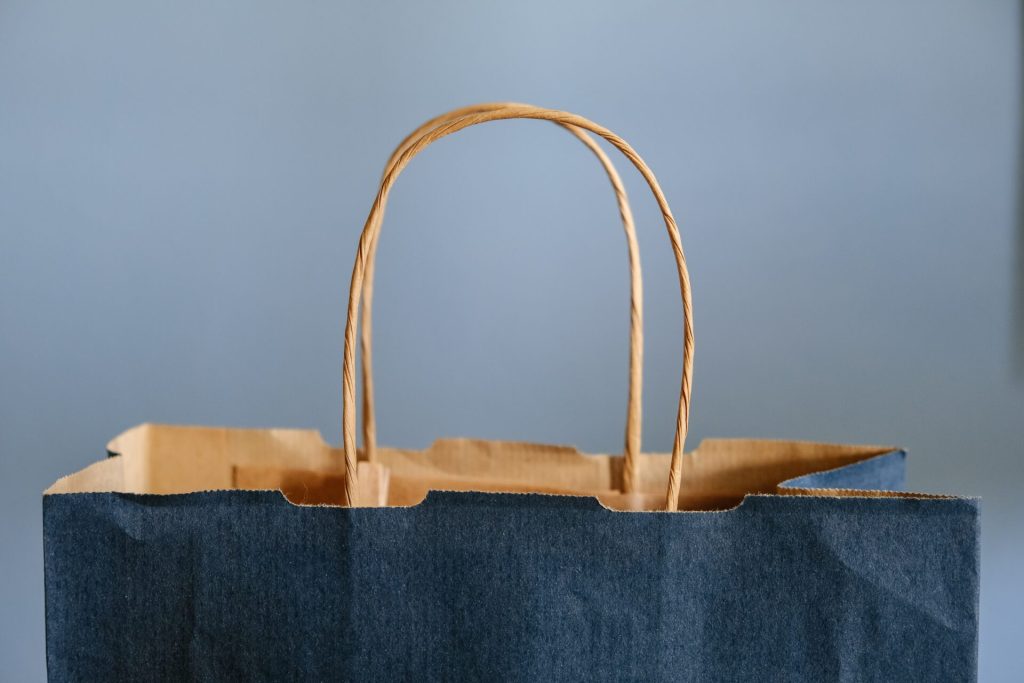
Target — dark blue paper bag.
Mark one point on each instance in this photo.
(214, 554)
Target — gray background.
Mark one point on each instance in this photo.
(181, 186)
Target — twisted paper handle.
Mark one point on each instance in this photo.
(371, 230)
(634, 412)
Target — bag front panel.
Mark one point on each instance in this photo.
(227, 585)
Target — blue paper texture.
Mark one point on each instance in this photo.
(244, 585)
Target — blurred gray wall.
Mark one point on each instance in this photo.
(181, 186)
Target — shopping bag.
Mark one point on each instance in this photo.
(197, 553)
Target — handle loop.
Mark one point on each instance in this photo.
(371, 230)
(634, 412)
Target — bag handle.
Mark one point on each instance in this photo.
(371, 230)
(634, 422)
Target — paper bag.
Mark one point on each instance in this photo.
(198, 553)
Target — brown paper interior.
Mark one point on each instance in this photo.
(164, 459)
